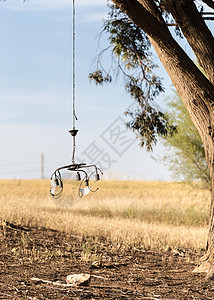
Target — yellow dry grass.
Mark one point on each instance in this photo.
(129, 213)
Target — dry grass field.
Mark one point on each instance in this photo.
(155, 215)
(137, 240)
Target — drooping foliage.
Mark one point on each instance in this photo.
(132, 56)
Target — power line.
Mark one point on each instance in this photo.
(42, 167)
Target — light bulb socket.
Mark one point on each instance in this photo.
(78, 176)
(97, 177)
(56, 181)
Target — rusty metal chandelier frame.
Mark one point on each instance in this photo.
(56, 189)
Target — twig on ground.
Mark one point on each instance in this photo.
(100, 277)
(39, 280)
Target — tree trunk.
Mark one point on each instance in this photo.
(196, 32)
(195, 90)
(201, 112)
(207, 261)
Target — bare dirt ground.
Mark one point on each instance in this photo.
(119, 274)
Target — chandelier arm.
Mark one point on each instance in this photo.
(93, 191)
(73, 167)
(91, 174)
(56, 196)
(61, 168)
(96, 168)
(77, 167)
(86, 175)
(57, 177)
(79, 170)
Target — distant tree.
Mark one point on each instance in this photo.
(184, 154)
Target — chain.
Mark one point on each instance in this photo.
(74, 148)
(74, 81)
(74, 66)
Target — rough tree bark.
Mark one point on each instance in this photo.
(195, 89)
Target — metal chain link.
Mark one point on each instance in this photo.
(74, 148)
(74, 66)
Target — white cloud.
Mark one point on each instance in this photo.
(50, 4)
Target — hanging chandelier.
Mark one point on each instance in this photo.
(83, 172)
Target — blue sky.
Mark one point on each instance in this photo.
(36, 93)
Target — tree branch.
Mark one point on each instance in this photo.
(208, 18)
(207, 13)
(150, 24)
(196, 32)
(161, 36)
(210, 3)
(204, 18)
(153, 9)
(171, 24)
(196, 91)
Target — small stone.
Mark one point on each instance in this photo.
(95, 265)
(205, 267)
(177, 253)
(79, 279)
(210, 275)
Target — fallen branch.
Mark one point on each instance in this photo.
(100, 277)
(72, 280)
(39, 280)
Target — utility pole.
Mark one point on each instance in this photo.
(42, 166)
